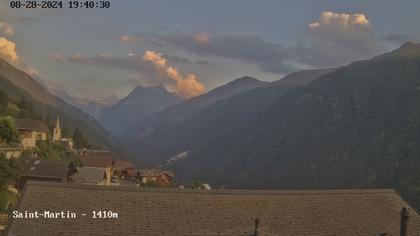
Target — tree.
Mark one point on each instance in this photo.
(78, 139)
(8, 132)
(9, 171)
(4, 101)
(26, 108)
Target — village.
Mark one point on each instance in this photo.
(98, 167)
(93, 166)
(95, 180)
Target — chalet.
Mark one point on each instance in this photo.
(11, 150)
(46, 170)
(172, 211)
(125, 169)
(98, 159)
(160, 177)
(31, 131)
(90, 175)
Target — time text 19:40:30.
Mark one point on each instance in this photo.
(31, 4)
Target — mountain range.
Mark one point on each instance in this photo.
(353, 126)
(172, 117)
(189, 127)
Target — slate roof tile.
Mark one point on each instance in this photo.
(172, 211)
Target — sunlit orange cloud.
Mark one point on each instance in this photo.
(128, 39)
(187, 87)
(8, 50)
(202, 38)
(343, 20)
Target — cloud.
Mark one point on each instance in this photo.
(156, 58)
(129, 39)
(8, 51)
(79, 58)
(342, 21)
(7, 29)
(331, 40)
(187, 87)
(188, 61)
(336, 39)
(131, 62)
(57, 57)
(269, 57)
(202, 38)
(146, 72)
(34, 73)
(143, 72)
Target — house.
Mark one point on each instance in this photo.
(125, 169)
(45, 170)
(171, 211)
(98, 159)
(67, 142)
(90, 175)
(11, 150)
(160, 177)
(31, 131)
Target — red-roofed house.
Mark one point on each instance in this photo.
(160, 177)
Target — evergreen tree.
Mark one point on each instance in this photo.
(78, 139)
(26, 108)
(8, 132)
(4, 101)
(9, 170)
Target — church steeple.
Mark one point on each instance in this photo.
(57, 131)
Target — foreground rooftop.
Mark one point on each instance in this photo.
(171, 211)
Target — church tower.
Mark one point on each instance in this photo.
(57, 131)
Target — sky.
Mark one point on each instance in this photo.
(193, 46)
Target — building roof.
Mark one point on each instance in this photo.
(10, 146)
(155, 172)
(32, 125)
(122, 165)
(46, 168)
(172, 211)
(66, 139)
(132, 172)
(96, 159)
(89, 175)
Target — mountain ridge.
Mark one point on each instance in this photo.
(140, 103)
(179, 112)
(161, 141)
(17, 83)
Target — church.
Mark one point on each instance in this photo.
(57, 137)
